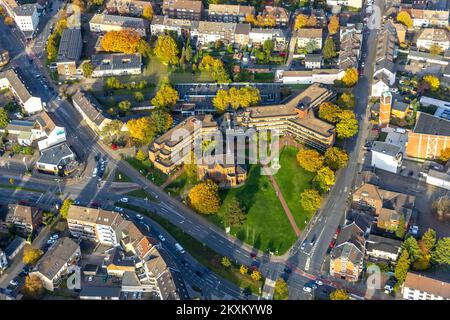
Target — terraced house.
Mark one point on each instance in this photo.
(183, 9)
(116, 64)
(229, 12)
(109, 22)
(69, 53)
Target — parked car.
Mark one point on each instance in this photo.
(319, 282)
(307, 289)
(14, 282)
(303, 246)
(124, 200)
(161, 237)
(140, 217)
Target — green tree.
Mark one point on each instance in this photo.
(144, 48)
(401, 229)
(346, 101)
(310, 159)
(226, 262)
(243, 269)
(124, 106)
(310, 200)
(402, 267)
(281, 290)
(429, 239)
(140, 155)
(161, 120)
(64, 211)
(441, 254)
(311, 46)
(411, 245)
(88, 69)
(166, 96)
(329, 49)
(444, 156)
(4, 118)
(234, 214)
(324, 179)
(33, 287)
(166, 49)
(138, 96)
(336, 158)
(339, 294)
(141, 130)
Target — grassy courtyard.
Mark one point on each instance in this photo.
(292, 180)
(147, 169)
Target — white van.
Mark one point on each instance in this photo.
(179, 248)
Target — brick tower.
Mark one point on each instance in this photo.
(385, 108)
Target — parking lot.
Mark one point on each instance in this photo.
(205, 92)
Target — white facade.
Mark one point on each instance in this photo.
(57, 135)
(348, 3)
(3, 261)
(32, 104)
(106, 235)
(385, 161)
(378, 88)
(438, 179)
(307, 77)
(27, 22)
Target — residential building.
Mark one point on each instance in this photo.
(313, 61)
(94, 224)
(350, 46)
(91, 110)
(387, 206)
(42, 131)
(4, 57)
(423, 287)
(3, 261)
(210, 32)
(58, 159)
(307, 35)
(133, 241)
(388, 154)
(295, 117)
(185, 27)
(429, 136)
(324, 76)
(425, 57)
(11, 79)
(348, 3)
(347, 256)
(428, 18)
(400, 30)
(108, 22)
(242, 34)
(280, 14)
(26, 17)
(257, 36)
(58, 261)
(14, 247)
(99, 292)
(25, 219)
(69, 53)
(229, 12)
(223, 170)
(127, 7)
(384, 69)
(183, 9)
(167, 151)
(433, 37)
(116, 64)
(383, 248)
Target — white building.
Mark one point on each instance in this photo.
(58, 261)
(3, 261)
(259, 35)
(432, 36)
(380, 84)
(427, 18)
(10, 80)
(348, 3)
(26, 17)
(325, 76)
(383, 248)
(116, 64)
(388, 155)
(421, 287)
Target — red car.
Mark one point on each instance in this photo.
(332, 244)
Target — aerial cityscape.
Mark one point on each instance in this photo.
(224, 150)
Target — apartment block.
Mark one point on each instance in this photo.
(108, 22)
(69, 52)
(229, 12)
(423, 287)
(183, 9)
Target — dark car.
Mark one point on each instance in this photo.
(287, 270)
(198, 274)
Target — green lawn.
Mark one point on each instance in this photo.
(292, 180)
(180, 185)
(10, 186)
(203, 254)
(266, 226)
(147, 169)
(121, 177)
(264, 77)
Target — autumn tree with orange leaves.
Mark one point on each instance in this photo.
(125, 41)
(204, 197)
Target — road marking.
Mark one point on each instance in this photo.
(308, 260)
